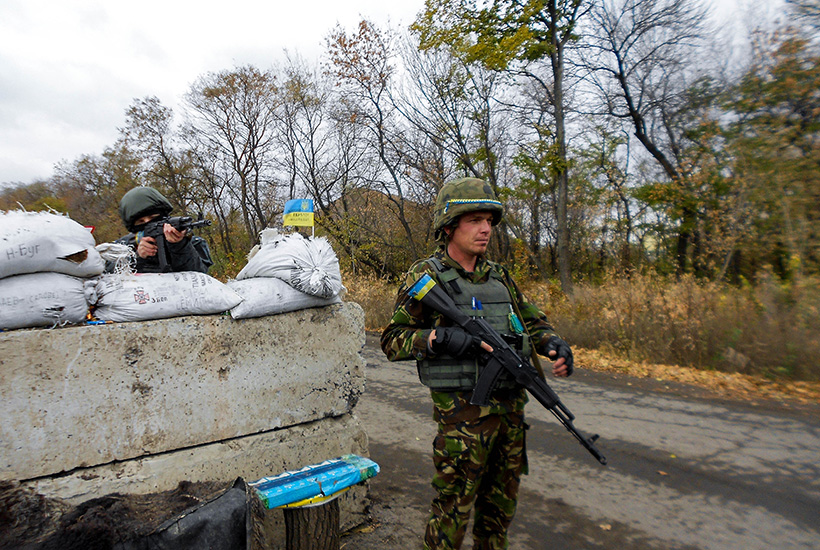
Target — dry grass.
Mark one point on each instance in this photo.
(736, 386)
(376, 296)
(769, 330)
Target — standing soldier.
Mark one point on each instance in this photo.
(479, 452)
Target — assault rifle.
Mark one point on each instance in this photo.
(503, 357)
(154, 229)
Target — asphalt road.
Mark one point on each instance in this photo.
(686, 470)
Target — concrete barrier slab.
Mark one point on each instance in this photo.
(85, 396)
(251, 457)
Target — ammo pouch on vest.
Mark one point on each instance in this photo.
(446, 373)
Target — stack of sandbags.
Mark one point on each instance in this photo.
(46, 262)
(286, 273)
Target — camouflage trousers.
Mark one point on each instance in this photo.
(479, 463)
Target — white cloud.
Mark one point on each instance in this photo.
(70, 68)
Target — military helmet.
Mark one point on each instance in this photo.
(141, 201)
(464, 195)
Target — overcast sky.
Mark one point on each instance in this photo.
(70, 68)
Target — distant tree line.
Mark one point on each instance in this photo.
(619, 134)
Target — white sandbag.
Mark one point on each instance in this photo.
(309, 265)
(33, 242)
(41, 300)
(144, 296)
(268, 296)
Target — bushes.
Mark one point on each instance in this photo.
(770, 328)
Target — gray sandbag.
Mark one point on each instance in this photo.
(34, 242)
(43, 299)
(307, 264)
(269, 296)
(145, 296)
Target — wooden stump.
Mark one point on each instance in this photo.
(313, 527)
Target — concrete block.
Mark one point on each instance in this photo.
(251, 457)
(81, 397)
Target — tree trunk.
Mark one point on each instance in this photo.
(557, 59)
(312, 527)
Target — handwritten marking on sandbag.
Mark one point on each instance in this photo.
(22, 251)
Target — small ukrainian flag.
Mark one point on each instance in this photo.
(299, 212)
(420, 289)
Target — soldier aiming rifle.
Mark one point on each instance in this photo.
(161, 243)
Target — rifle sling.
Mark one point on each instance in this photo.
(536, 362)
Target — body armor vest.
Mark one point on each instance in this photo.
(447, 373)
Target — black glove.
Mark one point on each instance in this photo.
(562, 349)
(455, 342)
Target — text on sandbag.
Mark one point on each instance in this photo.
(22, 251)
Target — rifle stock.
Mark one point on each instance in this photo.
(503, 357)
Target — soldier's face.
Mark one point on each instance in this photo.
(145, 219)
(472, 234)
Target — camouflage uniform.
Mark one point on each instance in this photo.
(479, 452)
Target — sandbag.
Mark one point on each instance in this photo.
(42, 299)
(309, 265)
(34, 242)
(268, 296)
(144, 296)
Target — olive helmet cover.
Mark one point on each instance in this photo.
(461, 196)
(142, 201)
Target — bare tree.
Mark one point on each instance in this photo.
(231, 113)
(305, 134)
(360, 63)
(213, 179)
(504, 35)
(91, 188)
(641, 54)
(806, 11)
(150, 133)
(459, 124)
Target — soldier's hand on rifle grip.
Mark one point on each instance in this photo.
(455, 342)
(560, 352)
(172, 234)
(146, 247)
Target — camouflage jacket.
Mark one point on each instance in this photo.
(406, 335)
